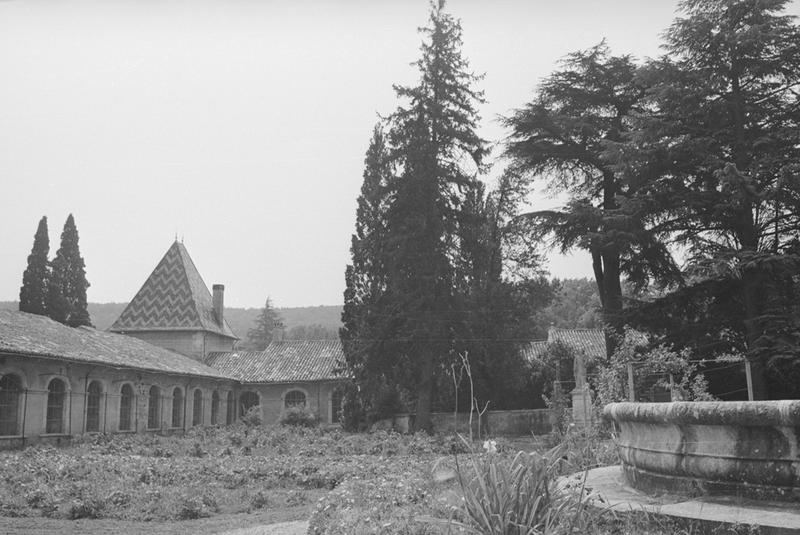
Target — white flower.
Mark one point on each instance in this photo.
(490, 446)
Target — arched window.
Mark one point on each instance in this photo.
(10, 392)
(126, 408)
(56, 394)
(153, 408)
(294, 398)
(215, 408)
(336, 405)
(230, 408)
(177, 407)
(247, 400)
(93, 394)
(197, 407)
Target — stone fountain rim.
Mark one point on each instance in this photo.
(749, 413)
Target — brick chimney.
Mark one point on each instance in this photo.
(219, 303)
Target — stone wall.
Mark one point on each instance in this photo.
(492, 423)
(36, 374)
(194, 344)
(189, 343)
(319, 396)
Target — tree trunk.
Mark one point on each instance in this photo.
(607, 276)
(425, 394)
(753, 298)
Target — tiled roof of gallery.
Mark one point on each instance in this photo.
(29, 335)
(283, 362)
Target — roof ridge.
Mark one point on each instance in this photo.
(181, 253)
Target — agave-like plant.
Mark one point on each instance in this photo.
(518, 496)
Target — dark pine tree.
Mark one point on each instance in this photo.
(439, 155)
(66, 296)
(262, 333)
(402, 310)
(33, 293)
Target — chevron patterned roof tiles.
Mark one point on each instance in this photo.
(174, 297)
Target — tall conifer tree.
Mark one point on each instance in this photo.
(67, 289)
(405, 276)
(722, 148)
(365, 277)
(439, 153)
(33, 293)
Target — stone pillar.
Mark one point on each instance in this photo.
(581, 396)
(582, 406)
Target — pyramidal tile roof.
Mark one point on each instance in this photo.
(174, 297)
(286, 361)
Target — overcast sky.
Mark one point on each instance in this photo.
(241, 126)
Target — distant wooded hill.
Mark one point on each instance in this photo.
(575, 305)
(240, 319)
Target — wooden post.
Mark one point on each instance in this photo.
(671, 388)
(749, 375)
(631, 392)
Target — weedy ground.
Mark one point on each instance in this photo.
(213, 479)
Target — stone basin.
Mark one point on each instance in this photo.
(748, 449)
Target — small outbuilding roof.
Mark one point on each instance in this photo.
(29, 335)
(173, 298)
(288, 361)
(536, 350)
(592, 342)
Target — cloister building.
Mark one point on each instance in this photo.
(168, 363)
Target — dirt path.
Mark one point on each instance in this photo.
(284, 528)
(278, 522)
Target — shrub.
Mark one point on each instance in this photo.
(354, 416)
(299, 417)
(87, 508)
(252, 417)
(197, 450)
(296, 498)
(192, 507)
(660, 361)
(260, 500)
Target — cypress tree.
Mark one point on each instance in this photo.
(365, 280)
(268, 321)
(33, 293)
(67, 289)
